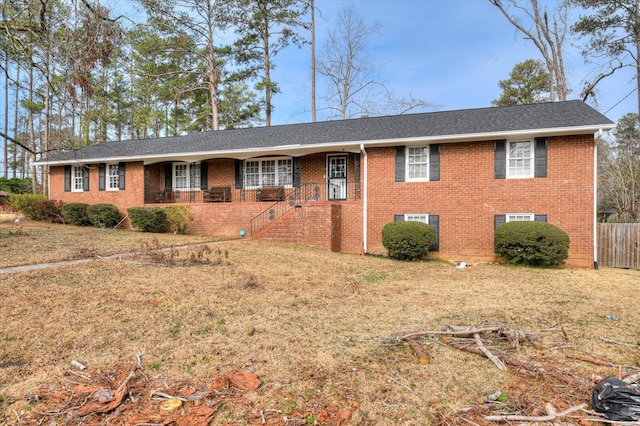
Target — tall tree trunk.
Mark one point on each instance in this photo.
(32, 135)
(267, 80)
(214, 76)
(638, 65)
(47, 137)
(14, 163)
(313, 62)
(6, 115)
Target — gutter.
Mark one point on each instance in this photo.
(595, 199)
(365, 199)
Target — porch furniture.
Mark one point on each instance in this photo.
(217, 194)
(166, 196)
(270, 193)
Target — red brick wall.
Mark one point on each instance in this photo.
(466, 198)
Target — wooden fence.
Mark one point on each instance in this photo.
(619, 245)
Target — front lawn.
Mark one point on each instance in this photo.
(320, 330)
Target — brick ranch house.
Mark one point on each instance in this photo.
(335, 184)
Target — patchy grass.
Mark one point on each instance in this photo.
(319, 329)
(27, 242)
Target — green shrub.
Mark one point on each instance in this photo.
(531, 243)
(48, 211)
(16, 185)
(103, 215)
(26, 204)
(408, 240)
(76, 214)
(147, 219)
(177, 218)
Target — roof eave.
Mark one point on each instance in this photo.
(347, 146)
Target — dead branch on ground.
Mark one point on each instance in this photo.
(552, 415)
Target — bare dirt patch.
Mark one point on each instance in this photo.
(320, 331)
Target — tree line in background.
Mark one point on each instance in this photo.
(75, 73)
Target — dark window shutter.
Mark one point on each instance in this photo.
(296, 171)
(540, 217)
(85, 178)
(168, 176)
(398, 218)
(102, 168)
(500, 160)
(239, 174)
(67, 178)
(540, 166)
(400, 164)
(434, 162)
(434, 221)
(204, 175)
(121, 176)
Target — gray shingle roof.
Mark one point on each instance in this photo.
(241, 143)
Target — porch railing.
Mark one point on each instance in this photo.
(308, 192)
(275, 211)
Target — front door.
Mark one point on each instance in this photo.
(337, 177)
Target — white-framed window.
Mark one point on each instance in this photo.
(77, 178)
(268, 172)
(186, 176)
(520, 159)
(513, 217)
(113, 177)
(417, 163)
(416, 217)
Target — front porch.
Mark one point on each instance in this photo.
(307, 192)
(253, 197)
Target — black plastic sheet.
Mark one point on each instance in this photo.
(619, 401)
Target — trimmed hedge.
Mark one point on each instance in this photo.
(531, 243)
(103, 215)
(177, 218)
(26, 204)
(147, 219)
(48, 211)
(408, 240)
(76, 214)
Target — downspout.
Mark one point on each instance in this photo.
(364, 198)
(595, 199)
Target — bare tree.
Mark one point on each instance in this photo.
(547, 34)
(613, 29)
(620, 177)
(354, 89)
(346, 64)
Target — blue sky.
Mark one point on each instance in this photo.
(449, 53)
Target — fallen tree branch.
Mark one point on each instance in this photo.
(487, 352)
(615, 342)
(551, 415)
(167, 396)
(420, 352)
(469, 331)
(591, 360)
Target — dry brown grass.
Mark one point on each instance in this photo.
(27, 242)
(318, 328)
